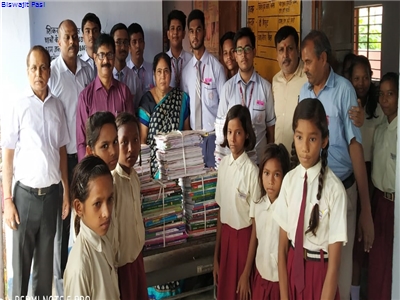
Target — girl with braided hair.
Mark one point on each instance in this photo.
(311, 211)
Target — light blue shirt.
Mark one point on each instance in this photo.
(184, 58)
(258, 98)
(145, 74)
(337, 96)
(129, 77)
(213, 78)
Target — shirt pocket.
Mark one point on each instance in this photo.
(258, 115)
(322, 234)
(53, 129)
(242, 200)
(210, 95)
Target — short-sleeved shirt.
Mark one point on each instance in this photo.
(332, 226)
(337, 96)
(267, 231)
(128, 77)
(96, 98)
(368, 130)
(90, 269)
(144, 73)
(181, 61)
(128, 213)
(36, 130)
(67, 86)
(384, 156)
(237, 190)
(286, 96)
(257, 96)
(212, 80)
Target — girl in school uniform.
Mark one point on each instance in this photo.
(90, 270)
(131, 274)
(236, 193)
(273, 168)
(311, 211)
(383, 178)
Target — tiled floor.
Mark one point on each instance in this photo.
(209, 295)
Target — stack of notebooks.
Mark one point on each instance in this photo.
(201, 210)
(162, 212)
(179, 154)
(142, 166)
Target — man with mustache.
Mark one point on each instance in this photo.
(104, 93)
(34, 136)
(345, 155)
(91, 28)
(287, 83)
(179, 57)
(142, 68)
(121, 71)
(202, 79)
(249, 89)
(69, 76)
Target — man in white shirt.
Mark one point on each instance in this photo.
(179, 57)
(202, 79)
(69, 76)
(287, 83)
(251, 90)
(142, 68)
(91, 28)
(121, 71)
(34, 135)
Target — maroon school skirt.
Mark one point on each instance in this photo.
(314, 277)
(132, 280)
(381, 254)
(263, 289)
(232, 260)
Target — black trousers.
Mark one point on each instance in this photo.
(34, 239)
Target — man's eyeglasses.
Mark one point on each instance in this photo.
(246, 50)
(103, 55)
(122, 42)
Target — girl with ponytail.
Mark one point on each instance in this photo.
(311, 211)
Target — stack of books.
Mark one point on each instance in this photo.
(179, 154)
(142, 166)
(201, 210)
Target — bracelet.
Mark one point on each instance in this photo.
(8, 198)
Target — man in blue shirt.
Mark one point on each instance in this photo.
(345, 155)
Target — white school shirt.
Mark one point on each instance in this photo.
(128, 215)
(332, 226)
(267, 231)
(384, 156)
(257, 94)
(86, 58)
(214, 75)
(36, 130)
(368, 129)
(90, 269)
(145, 75)
(130, 78)
(286, 97)
(183, 60)
(237, 190)
(67, 86)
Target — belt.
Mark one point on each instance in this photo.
(72, 156)
(349, 181)
(386, 195)
(39, 191)
(313, 255)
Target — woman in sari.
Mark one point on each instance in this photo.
(162, 109)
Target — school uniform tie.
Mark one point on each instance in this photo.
(120, 76)
(197, 106)
(178, 72)
(298, 260)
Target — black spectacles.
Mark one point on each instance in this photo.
(103, 55)
(246, 50)
(123, 42)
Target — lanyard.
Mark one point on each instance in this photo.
(241, 94)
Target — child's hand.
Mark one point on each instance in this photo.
(216, 271)
(357, 114)
(366, 230)
(243, 288)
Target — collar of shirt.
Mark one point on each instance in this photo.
(63, 66)
(98, 85)
(268, 203)
(181, 55)
(115, 72)
(330, 82)
(392, 125)
(312, 172)
(118, 169)
(49, 95)
(85, 56)
(203, 59)
(238, 161)
(298, 73)
(93, 238)
(253, 77)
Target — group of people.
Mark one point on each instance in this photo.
(270, 243)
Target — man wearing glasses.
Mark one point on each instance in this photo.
(202, 78)
(251, 90)
(104, 93)
(121, 71)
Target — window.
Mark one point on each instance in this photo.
(368, 36)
